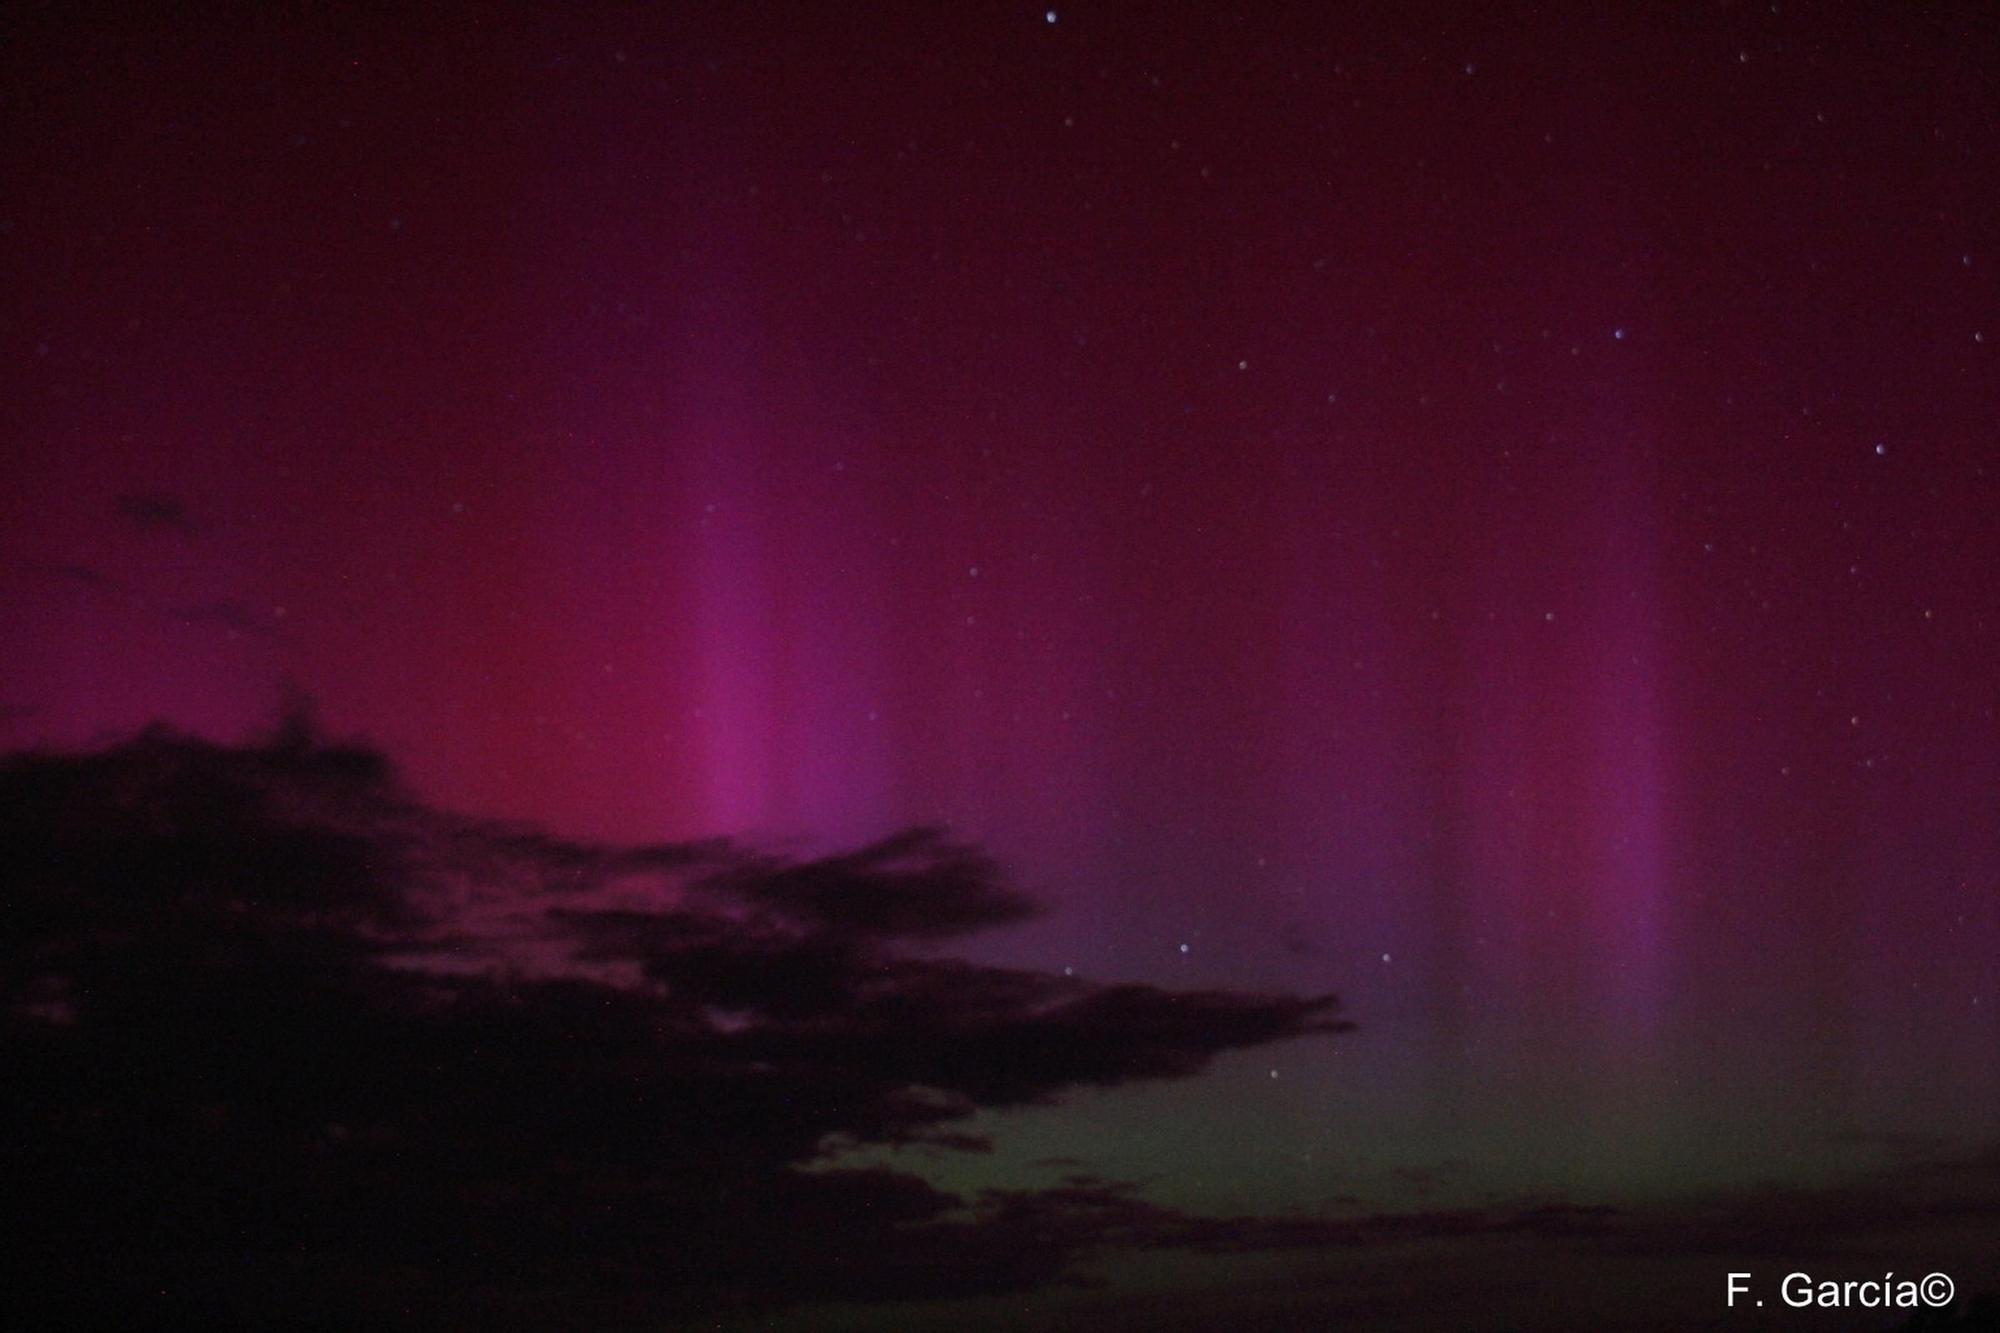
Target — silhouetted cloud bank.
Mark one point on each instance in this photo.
(288, 1045)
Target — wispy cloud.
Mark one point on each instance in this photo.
(230, 614)
(156, 511)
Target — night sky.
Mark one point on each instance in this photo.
(1488, 511)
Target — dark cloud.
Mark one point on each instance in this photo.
(235, 616)
(156, 511)
(1827, 1222)
(283, 1036)
(1096, 1213)
(1532, 1264)
(916, 885)
(81, 575)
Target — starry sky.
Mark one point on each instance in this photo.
(1487, 510)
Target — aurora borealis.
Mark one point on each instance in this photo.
(1486, 511)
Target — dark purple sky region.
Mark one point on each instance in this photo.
(1487, 510)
